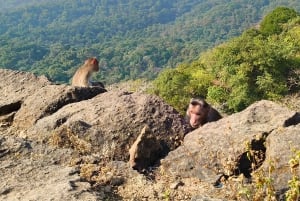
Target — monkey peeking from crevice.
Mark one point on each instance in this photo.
(199, 112)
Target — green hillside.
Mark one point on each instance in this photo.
(131, 38)
(261, 63)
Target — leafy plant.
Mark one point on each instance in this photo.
(248, 68)
(272, 23)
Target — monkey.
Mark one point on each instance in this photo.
(81, 78)
(199, 112)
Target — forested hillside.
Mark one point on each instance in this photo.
(131, 38)
(262, 63)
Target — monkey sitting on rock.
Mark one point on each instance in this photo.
(82, 76)
(200, 112)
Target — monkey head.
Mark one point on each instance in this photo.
(197, 112)
(92, 64)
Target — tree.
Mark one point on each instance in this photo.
(272, 23)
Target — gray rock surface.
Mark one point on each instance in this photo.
(48, 100)
(15, 86)
(145, 150)
(112, 121)
(31, 171)
(221, 148)
(281, 145)
(63, 143)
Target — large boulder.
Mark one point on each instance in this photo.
(281, 146)
(52, 127)
(234, 144)
(49, 99)
(15, 86)
(27, 98)
(33, 171)
(112, 121)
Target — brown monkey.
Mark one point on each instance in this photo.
(200, 112)
(81, 78)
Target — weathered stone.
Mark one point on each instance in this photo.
(50, 99)
(54, 127)
(145, 151)
(281, 144)
(112, 121)
(221, 147)
(15, 86)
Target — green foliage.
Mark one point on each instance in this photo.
(216, 94)
(177, 86)
(272, 23)
(248, 68)
(171, 87)
(132, 39)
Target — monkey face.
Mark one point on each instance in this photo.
(197, 113)
(93, 64)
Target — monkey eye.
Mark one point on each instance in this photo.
(194, 103)
(197, 113)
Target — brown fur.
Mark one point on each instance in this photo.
(82, 76)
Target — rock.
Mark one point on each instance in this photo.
(6, 120)
(281, 144)
(112, 121)
(33, 171)
(27, 98)
(176, 184)
(64, 143)
(47, 183)
(221, 147)
(15, 86)
(145, 151)
(50, 99)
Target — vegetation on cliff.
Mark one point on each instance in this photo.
(262, 63)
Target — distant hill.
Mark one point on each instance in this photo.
(131, 38)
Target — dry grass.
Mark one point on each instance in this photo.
(292, 102)
(66, 138)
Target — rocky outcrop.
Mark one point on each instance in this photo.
(236, 145)
(111, 122)
(15, 86)
(59, 142)
(282, 145)
(60, 121)
(27, 98)
(33, 171)
(48, 100)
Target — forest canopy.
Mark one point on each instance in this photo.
(131, 38)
